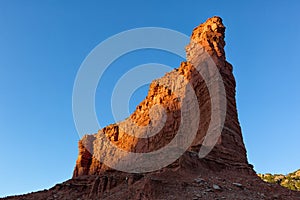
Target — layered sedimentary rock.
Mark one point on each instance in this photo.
(229, 150)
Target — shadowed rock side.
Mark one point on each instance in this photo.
(223, 174)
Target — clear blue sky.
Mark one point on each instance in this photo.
(42, 44)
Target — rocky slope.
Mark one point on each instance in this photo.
(290, 181)
(224, 173)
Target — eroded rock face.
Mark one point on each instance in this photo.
(229, 150)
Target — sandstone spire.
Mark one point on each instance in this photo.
(229, 150)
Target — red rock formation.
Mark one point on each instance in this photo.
(229, 151)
